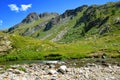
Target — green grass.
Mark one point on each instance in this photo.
(25, 48)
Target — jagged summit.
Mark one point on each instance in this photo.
(67, 14)
(35, 16)
(31, 17)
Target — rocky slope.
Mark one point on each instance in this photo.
(5, 43)
(81, 22)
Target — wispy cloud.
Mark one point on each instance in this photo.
(1, 22)
(24, 7)
(13, 7)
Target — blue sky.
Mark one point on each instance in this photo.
(13, 11)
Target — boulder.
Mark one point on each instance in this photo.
(52, 72)
(62, 69)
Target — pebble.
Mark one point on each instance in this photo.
(44, 72)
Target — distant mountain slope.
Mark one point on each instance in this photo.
(96, 20)
(72, 25)
(31, 23)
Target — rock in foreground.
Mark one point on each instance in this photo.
(44, 72)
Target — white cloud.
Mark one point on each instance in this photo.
(25, 7)
(13, 7)
(1, 22)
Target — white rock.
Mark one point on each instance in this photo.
(50, 62)
(52, 72)
(18, 72)
(10, 70)
(1, 68)
(62, 69)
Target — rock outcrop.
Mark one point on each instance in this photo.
(31, 17)
(5, 44)
(67, 14)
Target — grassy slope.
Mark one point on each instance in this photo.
(25, 48)
(56, 29)
(91, 20)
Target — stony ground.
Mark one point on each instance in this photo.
(60, 72)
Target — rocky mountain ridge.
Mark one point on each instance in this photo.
(34, 16)
(81, 22)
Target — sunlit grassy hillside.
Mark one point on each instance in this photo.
(25, 48)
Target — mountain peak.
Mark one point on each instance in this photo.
(35, 16)
(31, 17)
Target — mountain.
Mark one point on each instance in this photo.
(31, 23)
(97, 20)
(74, 24)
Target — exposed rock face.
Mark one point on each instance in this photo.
(11, 30)
(5, 44)
(47, 14)
(73, 12)
(66, 14)
(59, 36)
(30, 31)
(31, 17)
(52, 22)
(34, 16)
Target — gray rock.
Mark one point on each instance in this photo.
(31, 17)
(37, 78)
(18, 71)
